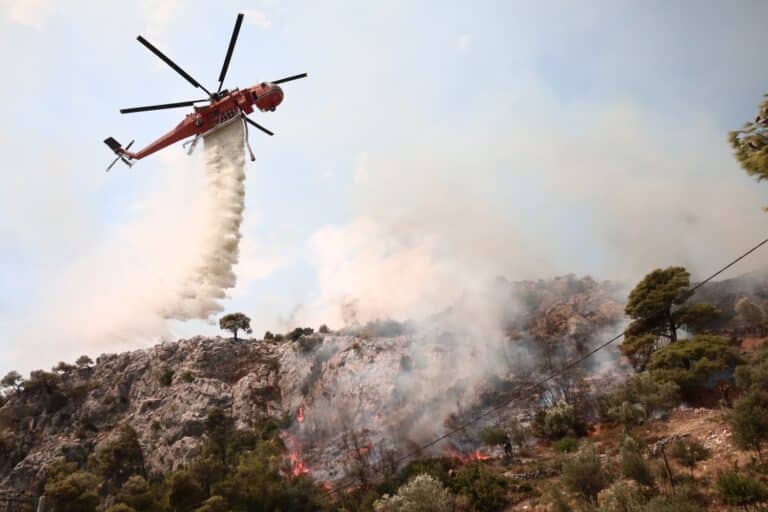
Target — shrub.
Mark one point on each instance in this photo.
(691, 363)
(558, 421)
(137, 494)
(741, 490)
(622, 496)
(84, 361)
(423, 493)
(484, 489)
(689, 452)
(324, 329)
(566, 444)
(214, 504)
(298, 332)
(268, 336)
(749, 421)
(69, 491)
(119, 459)
(494, 436)
(633, 465)
(635, 400)
(166, 377)
(673, 503)
(187, 376)
(121, 507)
(583, 474)
(12, 379)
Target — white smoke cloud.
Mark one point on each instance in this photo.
(172, 257)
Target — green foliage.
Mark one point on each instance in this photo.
(235, 322)
(566, 444)
(750, 144)
(484, 489)
(268, 336)
(749, 421)
(690, 363)
(749, 312)
(583, 474)
(184, 493)
(68, 490)
(298, 332)
(136, 493)
(656, 307)
(121, 507)
(633, 465)
(622, 496)
(12, 379)
(423, 493)
(672, 503)
(324, 329)
(741, 490)
(119, 459)
(214, 504)
(187, 376)
(754, 375)
(63, 367)
(689, 452)
(494, 436)
(558, 421)
(84, 361)
(166, 377)
(633, 401)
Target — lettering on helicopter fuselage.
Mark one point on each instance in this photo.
(226, 116)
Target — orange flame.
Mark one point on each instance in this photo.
(477, 455)
(298, 466)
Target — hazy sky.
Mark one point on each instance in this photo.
(434, 146)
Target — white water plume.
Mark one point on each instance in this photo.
(199, 295)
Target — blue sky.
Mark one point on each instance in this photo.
(434, 146)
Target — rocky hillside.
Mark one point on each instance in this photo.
(384, 385)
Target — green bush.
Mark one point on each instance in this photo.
(633, 465)
(72, 491)
(119, 459)
(566, 444)
(741, 490)
(558, 421)
(583, 473)
(494, 436)
(622, 496)
(689, 452)
(166, 377)
(423, 493)
(749, 421)
(484, 489)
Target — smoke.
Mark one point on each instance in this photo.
(169, 256)
(225, 174)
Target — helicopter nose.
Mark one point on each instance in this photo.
(270, 98)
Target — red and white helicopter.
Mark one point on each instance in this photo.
(224, 107)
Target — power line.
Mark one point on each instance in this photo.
(562, 370)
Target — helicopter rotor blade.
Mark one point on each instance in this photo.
(172, 64)
(257, 125)
(159, 107)
(289, 78)
(230, 50)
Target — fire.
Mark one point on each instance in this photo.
(300, 414)
(477, 455)
(298, 466)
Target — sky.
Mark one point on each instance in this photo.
(434, 146)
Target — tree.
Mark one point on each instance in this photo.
(656, 307)
(750, 144)
(119, 459)
(12, 379)
(749, 312)
(633, 465)
(691, 363)
(749, 421)
(235, 322)
(633, 401)
(583, 474)
(689, 452)
(71, 491)
(84, 361)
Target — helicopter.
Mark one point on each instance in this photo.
(224, 107)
